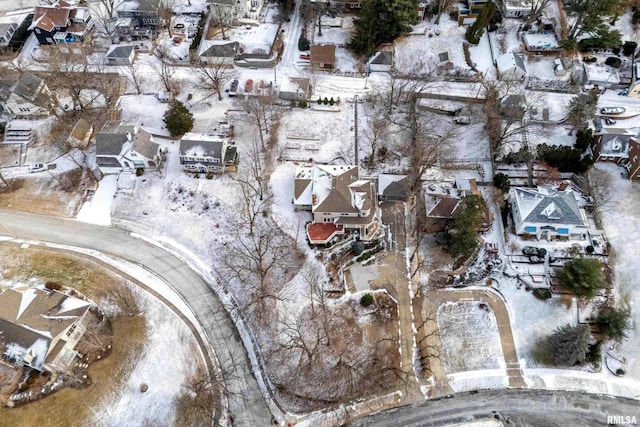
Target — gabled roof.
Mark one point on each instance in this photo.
(221, 50)
(201, 145)
(31, 318)
(5, 89)
(27, 86)
(325, 54)
(47, 17)
(445, 207)
(143, 144)
(547, 206)
(393, 186)
(113, 135)
(382, 58)
(120, 51)
(510, 60)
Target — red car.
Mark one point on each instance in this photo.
(248, 86)
(307, 57)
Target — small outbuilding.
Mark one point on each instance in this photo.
(381, 62)
(511, 66)
(295, 89)
(323, 57)
(120, 55)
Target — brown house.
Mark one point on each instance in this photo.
(323, 57)
(633, 167)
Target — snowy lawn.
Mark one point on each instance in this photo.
(254, 39)
(165, 362)
(98, 209)
(469, 337)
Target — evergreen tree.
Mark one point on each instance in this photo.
(613, 322)
(583, 276)
(381, 21)
(590, 15)
(475, 31)
(501, 182)
(584, 138)
(582, 108)
(568, 345)
(178, 118)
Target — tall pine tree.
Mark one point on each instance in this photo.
(382, 21)
(474, 32)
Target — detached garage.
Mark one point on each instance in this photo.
(120, 55)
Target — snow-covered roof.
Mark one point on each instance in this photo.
(30, 319)
(509, 61)
(120, 51)
(547, 206)
(541, 41)
(201, 145)
(601, 73)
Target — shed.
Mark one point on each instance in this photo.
(511, 66)
(120, 55)
(381, 62)
(219, 52)
(295, 89)
(323, 57)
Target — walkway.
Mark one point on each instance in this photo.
(492, 299)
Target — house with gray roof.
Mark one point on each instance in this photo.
(125, 147)
(41, 328)
(28, 98)
(546, 213)
(120, 55)
(207, 153)
(339, 200)
(218, 52)
(239, 10)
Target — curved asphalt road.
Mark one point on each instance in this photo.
(522, 408)
(246, 402)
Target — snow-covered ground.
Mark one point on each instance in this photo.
(98, 209)
(163, 365)
(469, 337)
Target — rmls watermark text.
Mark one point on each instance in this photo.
(621, 420)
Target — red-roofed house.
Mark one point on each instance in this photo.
(61, 23)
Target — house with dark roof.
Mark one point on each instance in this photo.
(137, 19)
(218, 52)
(323, 57)
(40, 329)
(61, 22)
(27, 98)
(120, 55)
(547, 213)
(339, 201)
(207, 153)
(393, 187)
(121, 146)
(612, 145)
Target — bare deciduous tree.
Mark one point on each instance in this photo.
(166, 72)
(260, 112)
(212, 76)
(256, 196)
(133, 76)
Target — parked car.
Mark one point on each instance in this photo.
(624, 92)
(233, 88)
(612, 110)
(610, 121)
(37, 167)
(248, 86)
(536, 259)
(305, 57)
(533, 251)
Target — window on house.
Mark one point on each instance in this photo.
(126, 164)
(71, 329)
(37, 30)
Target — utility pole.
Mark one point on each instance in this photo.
(355, 126)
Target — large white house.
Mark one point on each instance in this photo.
(338, 200)
(121, 146)
(547, 213)
(236, 10)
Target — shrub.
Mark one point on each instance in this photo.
(613, 322)
(303, 43)
(568, 345)
(326, 101)
(589, 249)
(501, 182)
(584, 137)
(366, 300)
(139, 171)
(357, 247)
(620, 371)
(53, 286)
(189, 97)
(209, 175)
(331, 101)
(613, 62)
(178, 118)
(583, 276)
(302, 104)
(319, 100)
(542, 293)
(629, 47)
(594, 355)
